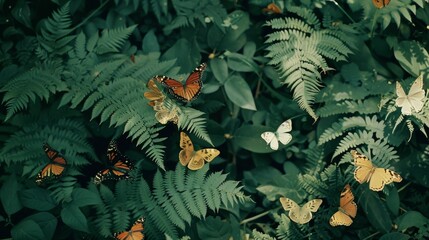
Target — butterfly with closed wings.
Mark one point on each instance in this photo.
(194, 159)
(281, 135)
(414, 100)
(299, 214)
(376, 177)
(54, 168)
(135, 233)
(120, 165)
(347, 209)
(188, 91)
(154, 94)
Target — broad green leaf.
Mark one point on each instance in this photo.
(219, 69)
(150, 43)
(412, 57)
(375, 210)
(9, 195)
(214, 228)
(392, 201)
(249, 138)
(27, 230)
(73, 217)
(239, 92)
(37, 198)
(186, 53)
(83, 197)
(21, 12)
(395, 236)
(410, 219)
(241, 63)
(249, 49)
(46, 221)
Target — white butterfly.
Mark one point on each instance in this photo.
(414, 99)
(299, 214)
(282, 134)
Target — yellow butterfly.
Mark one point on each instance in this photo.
(163, 115)
(414, 99)
(194, 159)
(376, 177)
(299, 214)
(347, 209)
(154, 94)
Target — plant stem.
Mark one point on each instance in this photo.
(258, 216)
(342, 10)
(91, 15)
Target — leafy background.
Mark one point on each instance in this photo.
(73, 74)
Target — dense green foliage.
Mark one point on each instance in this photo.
(73, 74)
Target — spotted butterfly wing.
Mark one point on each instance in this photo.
(194, 160)
(119, 167)
(347, 209)
(54, 168)
(376, 177)
(188, 91)
(380, 3)
(135, 233)
(299, 214)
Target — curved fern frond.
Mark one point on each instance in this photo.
(112, 39)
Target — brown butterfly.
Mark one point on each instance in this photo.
(380, 3)
(347, 209)
(194, 159)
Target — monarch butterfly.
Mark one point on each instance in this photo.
(347, 209)
(120, 167)
(54, 168)
(188, 91)
(194, 159)
(375, 176)
(135, 233)
(380, 3)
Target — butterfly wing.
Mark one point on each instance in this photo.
(271, 139)
(207, 154)
(347, 209)
(120, 165)
(135, 233)
(291, 206)
(364, 167)
(416, 94)
(381, 177)
(285, 127)
(54, 168)
(380, 3)
(187, 152)
(154, 94)
(304, 215)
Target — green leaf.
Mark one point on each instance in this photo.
(9, 195)
(46, 221)
(410, 219)
(37, 198)
(249, 138)
(392, 201)
(239, 92)
(150, 43)
(83, 197)
(214, 228)
(73, 217)
(375, 210)
(21, 12)
(241, 63)
(219, 69)
(27, 230)
(395, 236)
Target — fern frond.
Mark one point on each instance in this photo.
(191, 120)
(112, 39)
(367, 106)
(352, 140)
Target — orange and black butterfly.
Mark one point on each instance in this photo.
(380, 3)
(120, 165)
(54, 168)
(135, 233)
(188, 91)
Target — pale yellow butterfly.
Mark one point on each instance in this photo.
(414, 99)
(281, 135)
(347, 209)
(194, 159)
(163, 115)
(299, 214)
(376, 177)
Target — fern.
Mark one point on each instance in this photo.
(191, 120)
(176, 198)
(396, 9)
(299, 49)
(112, 40)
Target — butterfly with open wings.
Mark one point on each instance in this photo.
(376, 177)
(281, 135)
(414, 100)
(194, 159)
(135, 232)
(188, 91)
(347, 209)
(54, 168)
(299, 214)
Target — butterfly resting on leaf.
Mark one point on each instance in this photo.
(347, 209)
(414, 100)
(135, 233)
(281, 135)
(299, 214)
(54, 168)
(190, 89)
(376, 177)
(194, 159)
